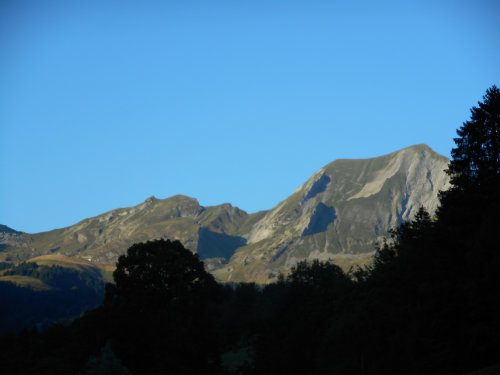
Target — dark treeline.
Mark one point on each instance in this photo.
(429, 303)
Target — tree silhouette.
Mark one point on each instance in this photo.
(159, 272)
(157, 310)
(476, 159)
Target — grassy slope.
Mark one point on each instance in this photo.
(26, 282)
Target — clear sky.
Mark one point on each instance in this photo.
(105, 103)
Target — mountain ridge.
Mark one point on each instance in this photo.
(341, 211)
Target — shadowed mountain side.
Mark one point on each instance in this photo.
(217, 245)
(321, 218)
(318, 187)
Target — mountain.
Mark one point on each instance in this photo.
(212, 232)
(340, 213)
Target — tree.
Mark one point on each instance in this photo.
(157, 310)
(473, 202)
(159, 272)
(471, 205)
(468, 226)
(476, 159)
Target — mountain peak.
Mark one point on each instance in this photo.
(421, 147)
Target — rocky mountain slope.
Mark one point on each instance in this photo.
(339, 213)
(212, 232)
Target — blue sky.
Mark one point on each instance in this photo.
(105, 103)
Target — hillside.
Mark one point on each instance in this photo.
(48, 289)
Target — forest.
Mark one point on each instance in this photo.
(429, 302)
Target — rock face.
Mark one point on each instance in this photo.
(339, 213)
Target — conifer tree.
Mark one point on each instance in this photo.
(476, 157)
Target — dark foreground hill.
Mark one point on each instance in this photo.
(48, 289)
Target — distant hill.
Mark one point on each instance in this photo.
(340, 213)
